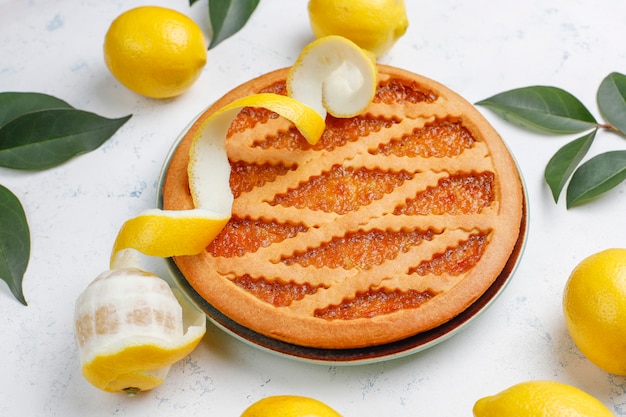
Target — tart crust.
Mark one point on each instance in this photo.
(462, 244)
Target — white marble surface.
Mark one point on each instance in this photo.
(477, 48)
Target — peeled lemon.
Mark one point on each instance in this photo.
(374, 25)
(130, 329)
(289, 406)
(155, 51)
(594, 305)
(541, 399)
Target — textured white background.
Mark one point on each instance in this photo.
(477, 48)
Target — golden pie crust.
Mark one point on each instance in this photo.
(393, 224)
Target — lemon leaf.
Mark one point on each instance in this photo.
(14, 242)
(15, 104)
(543, 108)
(228, 17)
(612, 100)
(46, 138)
(555, 111)
(596, 176)
(564, 162)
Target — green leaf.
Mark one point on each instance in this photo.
(15, 104)
(14, 243)
(612, 100)
(596, 176)
(191, 2)
(47, 138)
(564, 162)
(228, 17)
(548, 109)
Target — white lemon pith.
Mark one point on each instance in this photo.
(541, 399)
(130, 329)
(289, 406)
(594, 306)
(155, 51)
(333, 74)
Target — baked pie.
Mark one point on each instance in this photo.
(394, 223)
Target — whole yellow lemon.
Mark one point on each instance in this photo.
(374, 25)
(541, 399)
(155, 51)
(289, 406)
(594, 305)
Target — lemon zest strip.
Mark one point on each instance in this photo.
(166, 233)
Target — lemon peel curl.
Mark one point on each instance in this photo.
(333, 74)
(129, 359)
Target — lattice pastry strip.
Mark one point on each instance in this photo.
(394, 223)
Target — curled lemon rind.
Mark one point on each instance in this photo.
(334, 75)
(207, 156)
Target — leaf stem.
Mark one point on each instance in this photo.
(608, 126)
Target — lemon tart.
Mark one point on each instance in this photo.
(392, 224)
